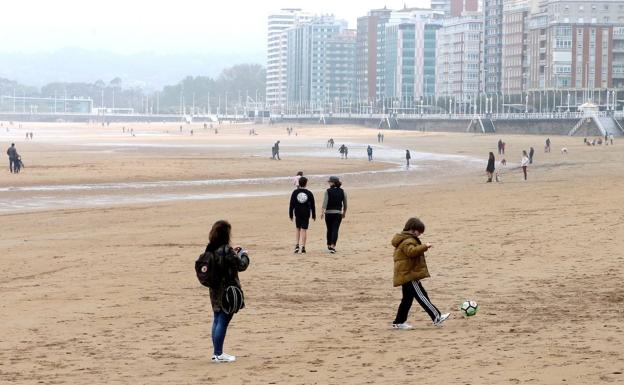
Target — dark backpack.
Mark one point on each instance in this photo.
(209, 269)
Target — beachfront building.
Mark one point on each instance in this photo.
(277, 52)
(492, 45)
(368, 52)
(406, 65)
(340, 70)
(515, 55)
(410, 50)
(454, 8)
(459, 60)
(577, 45)
(308, 68)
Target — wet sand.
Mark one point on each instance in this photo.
(108, 294)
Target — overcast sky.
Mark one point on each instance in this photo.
(158, 26)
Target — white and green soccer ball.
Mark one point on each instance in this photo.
(469, 308)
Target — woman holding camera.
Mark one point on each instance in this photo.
(226, 296)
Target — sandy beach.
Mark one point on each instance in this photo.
(101, 231)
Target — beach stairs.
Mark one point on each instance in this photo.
(390, 123)
(485, 126)
(604, 125)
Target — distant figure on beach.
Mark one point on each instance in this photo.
(408, 156)
(500, 147)
(276, 151)
(369, 152)
(382, 138)
(191, 132)
(490, 167)
(31, 137)
(346, 152)
(226, 294)
(297, 177)
(12, 153)
(330, 143)
(531, 154)
(180, 128)
(301, 207)
(341, 150)
(410, 267)
(547, 145)
(524, 162)
(334, 211)
(610, 138)
(379, 137)
(18, 165)
(503, 145)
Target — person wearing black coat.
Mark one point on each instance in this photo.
(490, 167)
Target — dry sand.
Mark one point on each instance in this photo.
(108, 294)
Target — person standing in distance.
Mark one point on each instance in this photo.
(524, 162)
(490, 167)
(301, 206)
(369, 151)
(410, 267)
(334, 211)
(408, 156)
(229, 262)
(12, 153)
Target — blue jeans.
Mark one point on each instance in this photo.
(219, 328)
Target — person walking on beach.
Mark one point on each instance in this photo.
(334, 211)
(226, 262)
(341, 150)
(490, 167)
(301, 207)
(547, 146)
(382, 138)
(524, 162)
(408, 156)
(379, 137)
(531, 153)
(410, 267)
(369, 152)
(277, 150)
(500, 147)
(297, 177)
(12, 153)
(346, 152)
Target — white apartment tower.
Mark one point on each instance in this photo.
(277, 52)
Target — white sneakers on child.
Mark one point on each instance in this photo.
(403, 326)
(443, 317)
(224, 357)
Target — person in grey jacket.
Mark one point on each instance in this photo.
(230, 261)
(12, 153)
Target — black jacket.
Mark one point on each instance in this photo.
(301, 204)
(231, 263)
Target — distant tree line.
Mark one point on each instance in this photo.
(237, 84)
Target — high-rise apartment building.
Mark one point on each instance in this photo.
(277, 52)
(515, 55)
(459, 58)
(577, 44)
(492, 45)
(315, 49)
(367, 52)
(455, 8)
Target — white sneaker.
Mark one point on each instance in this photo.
(443, 317)
(223, 358)
(403, 326)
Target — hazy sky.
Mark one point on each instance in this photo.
(159, 26)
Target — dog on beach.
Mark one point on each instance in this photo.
(503, 162)
(564, 150)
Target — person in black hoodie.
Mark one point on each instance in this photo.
(490, 167)
(301, 206)
(334, 211)
(230, 261)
